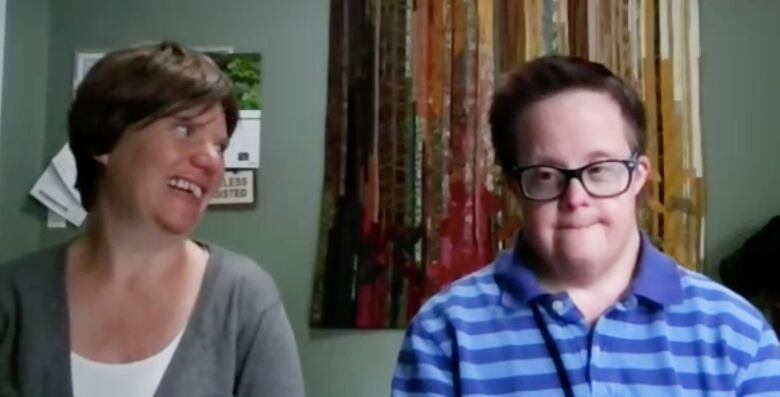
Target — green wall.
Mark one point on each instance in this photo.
(740, 81)
(23, 124)
(740, 125)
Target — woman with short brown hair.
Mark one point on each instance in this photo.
(134, 306)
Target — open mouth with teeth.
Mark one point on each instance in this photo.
(186, 186)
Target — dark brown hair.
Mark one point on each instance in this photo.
(549, 75)
(134, 87)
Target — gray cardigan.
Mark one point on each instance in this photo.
(238, 341)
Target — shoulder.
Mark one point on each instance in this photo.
(473, 290)
(471, 297)
(718, 309)
(238, 276)
(30, 270)
(702, 294)
(30, 287)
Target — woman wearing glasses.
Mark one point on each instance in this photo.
(584, 304)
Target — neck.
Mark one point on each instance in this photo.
(122, 250)
(595, 288)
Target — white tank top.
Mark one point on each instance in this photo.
(136, 379)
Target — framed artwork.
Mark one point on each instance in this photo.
(84, 62)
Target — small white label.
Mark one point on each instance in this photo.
(238, 187)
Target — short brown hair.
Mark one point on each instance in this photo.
(136, 86)
(549, 75)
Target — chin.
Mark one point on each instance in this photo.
(185, 215)
(179, 223)
(183, 230)
(593, 234)
(584, 245)
(581, 258)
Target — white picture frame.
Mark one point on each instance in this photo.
(215, 49)
(84, 61)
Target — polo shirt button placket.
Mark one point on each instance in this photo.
(558, 307)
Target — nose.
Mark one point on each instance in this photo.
(575, 195)
(208, 157)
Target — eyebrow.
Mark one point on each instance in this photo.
(192, 120)
(596, 155)
(191, 113)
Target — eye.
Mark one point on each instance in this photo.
(605, 172)
(183, 131)
(596, 169)
(544, 175)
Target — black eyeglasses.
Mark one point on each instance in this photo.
(601, 179)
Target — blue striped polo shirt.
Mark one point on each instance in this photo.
(674, 333)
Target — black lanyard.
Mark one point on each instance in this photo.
(555, 354)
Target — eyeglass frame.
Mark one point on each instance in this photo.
(576, 173)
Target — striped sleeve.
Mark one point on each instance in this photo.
(762, 375)
(425, 363)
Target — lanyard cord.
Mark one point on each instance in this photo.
(555, 354)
